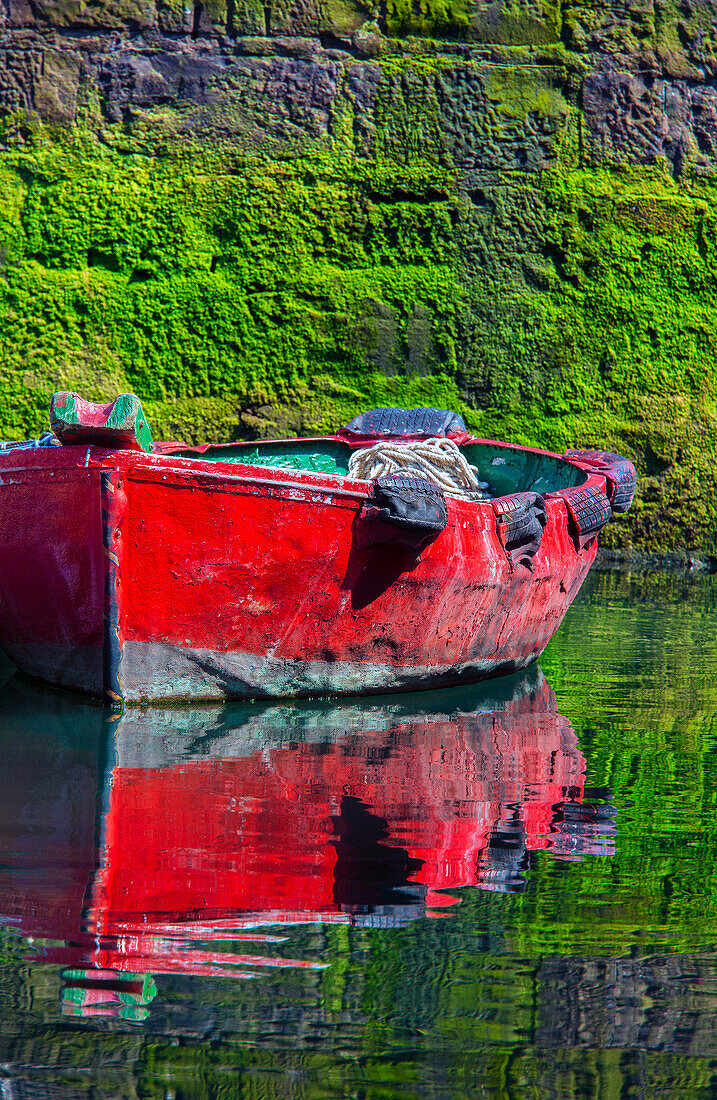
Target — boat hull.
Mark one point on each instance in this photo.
(135, 577)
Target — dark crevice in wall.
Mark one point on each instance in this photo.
(231, 11)
(564, 32)
(679, 161)
(479, 198)
(404, 195)
(267, 20)
(558, 258)
(684, 37)
(142, 275)
(36, 14)
(333, 42)
(197, 19)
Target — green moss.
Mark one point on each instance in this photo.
(518, 94)
(430, 18)
(246, 296)
(215, 293)
(609, 338)
(514, 22)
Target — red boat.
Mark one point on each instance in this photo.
(136, 572)
(214, 825)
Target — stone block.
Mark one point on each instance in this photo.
(129, 79)
(473, 115)
(175, 17)
(680, 36)
(637, 117)
(57, 85)
(19, 70)
(316, 17)
(228, 18)
(253, 98)
(695, 28)
(103, 14)
(618, 26)
(624, 115)
(513, 22)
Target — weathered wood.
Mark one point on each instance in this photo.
(121, 423)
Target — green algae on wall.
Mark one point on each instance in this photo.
(282, 297)
(188, 282)
(422, 223)
(609, 337)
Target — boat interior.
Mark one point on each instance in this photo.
(506, 469)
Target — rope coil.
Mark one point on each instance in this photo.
(437, 460)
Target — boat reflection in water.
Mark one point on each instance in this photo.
(156, 842)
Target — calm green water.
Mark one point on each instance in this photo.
(499, 893)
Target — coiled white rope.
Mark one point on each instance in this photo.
(437, 460)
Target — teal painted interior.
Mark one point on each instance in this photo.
(327, 458)
(506, 470)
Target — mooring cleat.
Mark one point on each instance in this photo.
(121, 424)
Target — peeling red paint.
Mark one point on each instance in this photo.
(247, 581)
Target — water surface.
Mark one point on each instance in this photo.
(502, 891)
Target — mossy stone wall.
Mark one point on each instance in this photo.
(262, 218)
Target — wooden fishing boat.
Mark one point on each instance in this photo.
(135, 571)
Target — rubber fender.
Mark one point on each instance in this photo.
(618, 471)
(410, 511)
(583, 828)
(521, 523)
(589, 510)
(392, 423)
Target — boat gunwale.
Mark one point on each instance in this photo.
(591, 478)
(157, 463)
